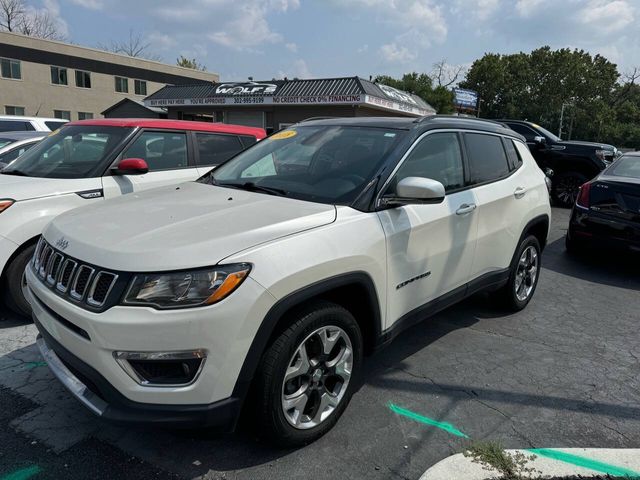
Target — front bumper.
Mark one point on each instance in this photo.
(99, 396)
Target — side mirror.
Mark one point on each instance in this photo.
(131, 166)
(548, 172)
(415, 190)
(539, 141)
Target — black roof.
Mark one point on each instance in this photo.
(423, 123)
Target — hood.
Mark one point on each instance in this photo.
(29, 188)
(595, 146)
(188, 226)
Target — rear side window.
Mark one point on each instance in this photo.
(248, 140)
(15, 126)
(523, 130)
(439, 157)
(214, 148)
(487, 158)
(512, 154)
(161, 150)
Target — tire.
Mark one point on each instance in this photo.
(517, 293)
(14, 278)
(564, 188)
(284, 354)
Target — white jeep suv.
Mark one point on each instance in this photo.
(278, 271)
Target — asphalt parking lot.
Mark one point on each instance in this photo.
(562, 373)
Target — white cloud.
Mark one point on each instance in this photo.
(480, 10)
(608, 16)
(393, 53)
(50, 10)
(292, 47)
(161, 41)
(90, 4)
(527, 8)
(299, 69)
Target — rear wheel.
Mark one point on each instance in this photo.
(307, 376)
(523, 275)
(565, 187)
(15, 281)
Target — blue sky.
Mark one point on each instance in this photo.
(322, 38)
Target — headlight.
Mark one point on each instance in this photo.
(190, 288)
(4, 204)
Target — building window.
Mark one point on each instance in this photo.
(59, 76)
(11, 110)
(10, 68)
(140, 87)
(63, 114)
(83, 79)
(85, 115)
(122, 85)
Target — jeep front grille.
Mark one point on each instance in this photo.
(70, 278)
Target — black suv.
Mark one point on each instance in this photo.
(573, 163)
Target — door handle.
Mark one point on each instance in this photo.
(520, 192)
(466, 208)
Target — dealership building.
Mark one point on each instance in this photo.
(54, 79)
(276, 104)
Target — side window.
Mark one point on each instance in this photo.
(487, 157)
(15, 126)
(523, 130)
(439, 157)
(161, 150)
(512, 154)
(248, 140)
(214, 148)
(15, 153)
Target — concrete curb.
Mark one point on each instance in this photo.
(614, 461)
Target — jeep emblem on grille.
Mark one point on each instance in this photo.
(62, 243)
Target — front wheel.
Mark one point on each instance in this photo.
(15, 281)
(565, 188)
(523, 275)
(307, 376)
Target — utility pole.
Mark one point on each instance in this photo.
(562, 118)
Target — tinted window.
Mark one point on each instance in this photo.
(214, 149)
(439, 157)
(15, 126)
(71, 152)
(512, 154)
(161, 150)
(523, 130)
(247, 140)
(52, 125)
(15, 153)
(486, 157)
(626, 167)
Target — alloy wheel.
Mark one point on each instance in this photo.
(567, 188)
(527, 273)
(317, 377)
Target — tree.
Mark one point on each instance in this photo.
(190, 63)
(421, 84)
(16, 17)
(444, 74)
(134, 46)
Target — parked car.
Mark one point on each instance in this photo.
(607, 211)
(169, 306)
(573, 162)
(14, 144)
(15, 123)
(90, 160)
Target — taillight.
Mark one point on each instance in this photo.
(583, 195)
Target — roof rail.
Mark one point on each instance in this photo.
(473, 119)
(316, 118)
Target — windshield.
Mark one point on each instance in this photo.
(628, 166)
(326, 164)
(547, 133)
(71, 152)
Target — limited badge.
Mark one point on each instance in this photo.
(284, 134)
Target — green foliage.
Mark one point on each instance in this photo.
(492, 456)
(421, 84)
(190, 63)
(535, 85)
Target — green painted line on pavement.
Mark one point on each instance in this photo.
(584, 462)
(447, 427)
(30, 365)
(22, 474)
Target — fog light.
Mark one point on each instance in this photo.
(162, 369)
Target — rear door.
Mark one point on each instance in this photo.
(212, 149)
(430, 248)
(500, 189)
(168, 156)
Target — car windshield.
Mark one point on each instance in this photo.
(626, 166)
(71, 152)
(326, 164)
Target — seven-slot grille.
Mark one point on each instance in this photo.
(82, 283)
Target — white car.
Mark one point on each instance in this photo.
(16, 123)
(14, 144)
(87, 161)
(280, 270)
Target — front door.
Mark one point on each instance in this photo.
(167, 155)
(430, 248)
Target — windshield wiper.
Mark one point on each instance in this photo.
(14, 172)
(253, 187)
